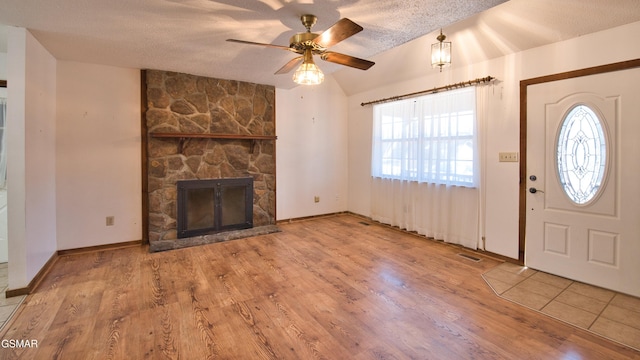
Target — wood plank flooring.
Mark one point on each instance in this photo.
(327, 288)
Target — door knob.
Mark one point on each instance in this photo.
(534, 190)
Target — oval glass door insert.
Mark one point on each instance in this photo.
(581, 154)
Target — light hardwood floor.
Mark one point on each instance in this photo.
(328, 288)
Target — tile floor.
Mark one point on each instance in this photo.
(604, 312)
(7, 306)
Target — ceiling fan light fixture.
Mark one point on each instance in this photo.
(308, 44)
(308, 73)
(441, 52)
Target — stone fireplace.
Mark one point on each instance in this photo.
(210, 131)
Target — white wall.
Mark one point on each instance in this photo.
(74, 155)
(311, 160)
(98, 144)
(31, 150)
(503, 131)
(3, 66)
(4, 246)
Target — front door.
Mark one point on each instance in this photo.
(583, 179)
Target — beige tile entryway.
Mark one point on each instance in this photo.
(606, 313)
(7, 306)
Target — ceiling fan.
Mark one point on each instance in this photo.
(308, 44)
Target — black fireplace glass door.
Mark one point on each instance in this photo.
(233, 205)
(214, 205)
(200, 209)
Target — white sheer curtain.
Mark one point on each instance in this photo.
(482, 114)
(3, 152)
(446, 203)
(442, 212)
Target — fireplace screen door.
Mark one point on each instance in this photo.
(211, 206)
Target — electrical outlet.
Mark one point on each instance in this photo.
(316, 199)
(111, 220)
(508, 157)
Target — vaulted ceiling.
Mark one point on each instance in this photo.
(189, 35)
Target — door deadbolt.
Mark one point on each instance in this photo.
(533, 178)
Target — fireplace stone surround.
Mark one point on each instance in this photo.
(202, 128)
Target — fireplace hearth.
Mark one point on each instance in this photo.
(212, 206)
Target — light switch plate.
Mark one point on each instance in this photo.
(508, 157)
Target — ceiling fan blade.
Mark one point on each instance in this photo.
(339, 31)
(346, 60)
(263, 44)
(290, 65)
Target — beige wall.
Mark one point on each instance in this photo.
(311, 151)
(31, 156)
(3, 66)
(98, 170)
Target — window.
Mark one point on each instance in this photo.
(581, 154)
(427, 139)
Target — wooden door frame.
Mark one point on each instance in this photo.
(522, 213)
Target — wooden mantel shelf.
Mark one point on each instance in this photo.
(183, 136)
(213, 136)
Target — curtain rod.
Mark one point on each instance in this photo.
(434, 90)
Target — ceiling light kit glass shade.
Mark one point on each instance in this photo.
(441, 52)
(308, 73)
(309, 44)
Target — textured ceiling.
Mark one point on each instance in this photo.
(189, 35)
(511, 27)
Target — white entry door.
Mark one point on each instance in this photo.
(583, 179)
